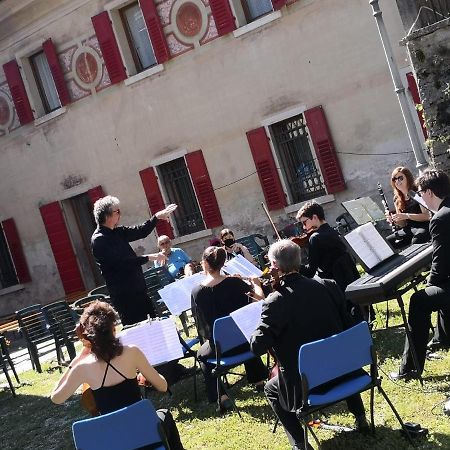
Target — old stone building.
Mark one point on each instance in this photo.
(217, 105)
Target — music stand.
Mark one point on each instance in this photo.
(363, 210)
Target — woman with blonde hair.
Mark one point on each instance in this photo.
(412, 218)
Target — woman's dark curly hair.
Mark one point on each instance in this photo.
(97, 326)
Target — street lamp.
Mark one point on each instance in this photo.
(421, 162)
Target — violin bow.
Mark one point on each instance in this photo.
(270, 220)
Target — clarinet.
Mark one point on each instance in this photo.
(386, 206)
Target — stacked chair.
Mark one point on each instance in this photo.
(5, 360)
(257, 245)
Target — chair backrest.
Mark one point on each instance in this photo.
(32, 323)
(226, 334)
(128, 428)
(100, 290)
(81, 303)
(252, 245)
(324, 360)
(59, 314)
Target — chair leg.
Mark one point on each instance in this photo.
(305, 432)
(195, 379)
(275, 425)
(71, 350)
(11, 364)
(11, 386)
(381, 390)
(372, 415)
(315, 438)
(35, 359)
(184, 323)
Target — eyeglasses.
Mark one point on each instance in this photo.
(303, 222)
(399, 178)
(420, 192)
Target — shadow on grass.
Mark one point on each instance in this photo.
(389, 343)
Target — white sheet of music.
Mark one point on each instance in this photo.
(369, 245)
(248, 318)
(158, 340)
(177, 295)
(240, 266)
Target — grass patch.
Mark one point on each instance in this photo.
(31, 421)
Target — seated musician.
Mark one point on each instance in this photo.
(216, 297)
(412, 218)
(434, 188)
(299, 311)
(234, 248)
(178, 262)
(109, 368)
(327, 253)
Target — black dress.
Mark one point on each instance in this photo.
(213, 302)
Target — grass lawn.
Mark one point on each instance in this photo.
(31, 421)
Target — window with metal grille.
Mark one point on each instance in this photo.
(44, 82)
(178, 188)
(298, 164)
(138, 37)
(253, 9)
(8, 275)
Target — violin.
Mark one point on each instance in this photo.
(88, 401)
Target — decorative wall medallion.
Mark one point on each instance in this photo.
(86, 67)
(5, 113)
(189, 19)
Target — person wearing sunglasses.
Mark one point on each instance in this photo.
(118, 262)
(412, 219)
(434, 188)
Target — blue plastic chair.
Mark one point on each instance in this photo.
(227, 336)
(331, 370)
(128, 428)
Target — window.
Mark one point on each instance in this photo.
(253, 9)
(176, 181)
(137, 36)
(44, 82)
(8, 275)
(298, 164)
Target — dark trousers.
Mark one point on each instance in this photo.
(407, 236)
(170, 429)
(442, 329)
(133, 308)
(255, 369)
(422, 304)
(289, 420)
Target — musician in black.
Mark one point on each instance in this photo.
(119, 264)
(412, 219)
(434, 188)
(299, 311)
(327, 254)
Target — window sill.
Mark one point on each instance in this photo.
(11, 289)
(192, 237)
(58, 112)
(320, 200)
(258, 23)
(145, 74)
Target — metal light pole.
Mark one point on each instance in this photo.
(421, 162)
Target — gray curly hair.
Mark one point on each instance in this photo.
(104, 207)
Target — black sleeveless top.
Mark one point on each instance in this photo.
(112, 398)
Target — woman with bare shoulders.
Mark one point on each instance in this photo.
(110, 368)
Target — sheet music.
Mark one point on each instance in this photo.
(241, 266)
(248, 318)
(177, 295)
(364, 210)
(368, 244)
(158, 340)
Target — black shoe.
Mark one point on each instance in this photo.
(224, 406)
(397, 376)
(361, 424)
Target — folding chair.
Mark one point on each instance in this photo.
(5, 360)
(257, 250)
(60, 316)
(188, 352)
(36, 331)
(339, 359)
(227, 336)
(132, 427)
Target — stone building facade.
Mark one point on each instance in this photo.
(218, 105)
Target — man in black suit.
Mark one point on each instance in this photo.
(301, 310)
(434, 188)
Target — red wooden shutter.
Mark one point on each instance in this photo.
(65, 258)
(154, 199)
(412, 86)
(155, 30)
(108, 45)
(95, 193)
(223, 16)
(278, 4)
(265, 166)
(18, 92)
(15, 248)
(204, 190)
(325, 151)
(57, 73)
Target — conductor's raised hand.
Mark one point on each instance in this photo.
(166, 212)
